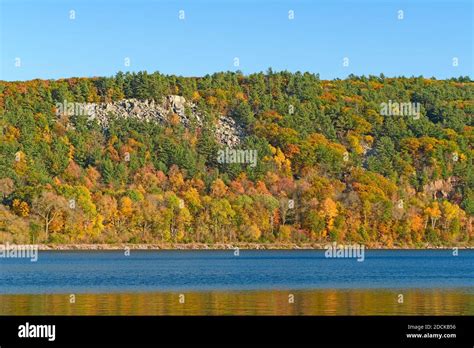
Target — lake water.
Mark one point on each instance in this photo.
(295, 282)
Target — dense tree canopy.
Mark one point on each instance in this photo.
(331, 166)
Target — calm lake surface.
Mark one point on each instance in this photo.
(272, 282)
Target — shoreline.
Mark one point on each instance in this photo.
(224, 246)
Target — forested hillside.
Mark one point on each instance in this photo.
(333, 160)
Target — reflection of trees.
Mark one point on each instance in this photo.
(318, 302)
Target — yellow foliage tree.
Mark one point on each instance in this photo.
(20, 208)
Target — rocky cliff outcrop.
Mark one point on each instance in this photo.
(227, 131)
(147, 110)
(440, 188)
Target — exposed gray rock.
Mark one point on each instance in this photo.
(228, 132)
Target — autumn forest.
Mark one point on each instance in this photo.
(333, 160)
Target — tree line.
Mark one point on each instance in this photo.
(331, 166)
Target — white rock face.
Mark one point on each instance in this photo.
(177, 103)
(228, 132)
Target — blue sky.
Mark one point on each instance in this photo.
(213, 33)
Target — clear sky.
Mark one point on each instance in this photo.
(49, 44)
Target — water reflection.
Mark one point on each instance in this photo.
(314, 302)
